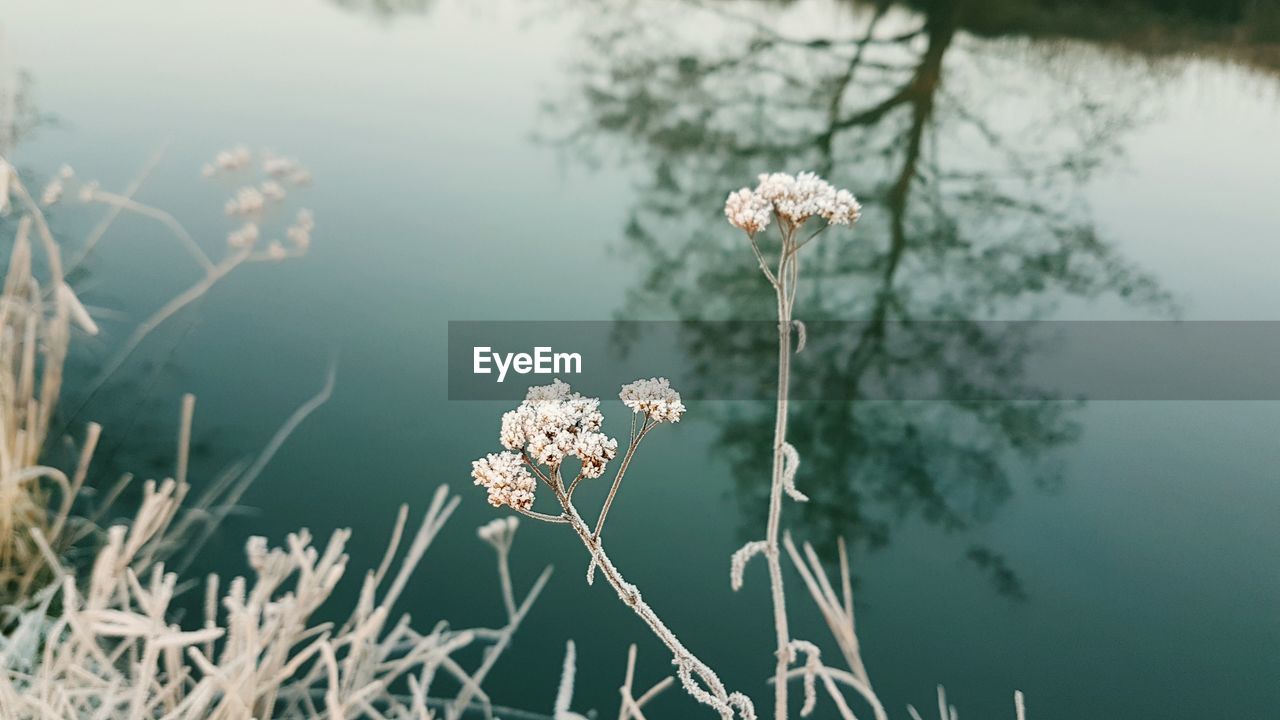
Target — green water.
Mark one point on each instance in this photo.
(559, 161)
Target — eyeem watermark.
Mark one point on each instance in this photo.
(543, 361)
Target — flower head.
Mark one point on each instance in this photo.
(794, 198)
(248, 200)
(499, 533)
(748, 210)
(553, 423)
(655, 397)
(506, 478)
(244, 237)
(52, 192)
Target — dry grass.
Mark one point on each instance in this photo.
(100, 641)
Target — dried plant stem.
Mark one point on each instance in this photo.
(784, 283)
(114, 211)
(713, 692)
(124, 202)
(188, 296)
(631, 707)
(645, 427)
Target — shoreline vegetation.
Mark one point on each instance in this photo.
(554, 429)
(99, 638)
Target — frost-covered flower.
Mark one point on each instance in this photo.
(278, 166)
(234, 159)
(654, 397)
(843, 210)
(553, 423)
(248, 200)
(52, 192)
(87, 191)
(506, 478)
(276, 251)
(748, 211)
(594, 450)
(498, 532)
(243, 237)
(272, 190)
(795, 199)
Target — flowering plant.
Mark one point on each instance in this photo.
(554, 423)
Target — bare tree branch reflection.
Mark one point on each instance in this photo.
(970, 162)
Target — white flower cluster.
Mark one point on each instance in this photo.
(498, 532)
(248, 200)
(748, 211)
(506, 478)
(794, 198)
(243, 237)
(654, 397)
(285, 167)
(553, 423)
(272, 190)
(299, 233)
(53, 191)
(237, 158)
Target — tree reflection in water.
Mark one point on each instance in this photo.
(969, 156)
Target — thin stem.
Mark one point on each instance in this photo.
(164, 218)
(622, 470)
(574, 485)
(542, 516)
(714, 694)
(787, 271)
(764, 266)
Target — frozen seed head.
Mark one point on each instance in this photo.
(794, 198)
(237, 158)
(748, 211)
(843, 210)
(499, 533)
(594, 451)
(88, 190)
(655, 397)
(506, 478)
(247, 201)
(272, 190)
(553, 423)
(243, 237)
(276, 166)
(52, 192)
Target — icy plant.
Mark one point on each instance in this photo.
(792, 201)
(554, 424)
(113, 650)
(37, 319)
(100, 640)
(555, 434)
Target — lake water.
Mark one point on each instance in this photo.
(502, 160)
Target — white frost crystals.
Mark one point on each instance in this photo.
(553, 423)
(654, 397)
(793, 199)
(506, 478)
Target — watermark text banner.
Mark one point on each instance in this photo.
(840, 361)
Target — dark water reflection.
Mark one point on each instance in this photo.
(966, 216)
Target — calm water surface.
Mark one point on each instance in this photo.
(545, 160)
